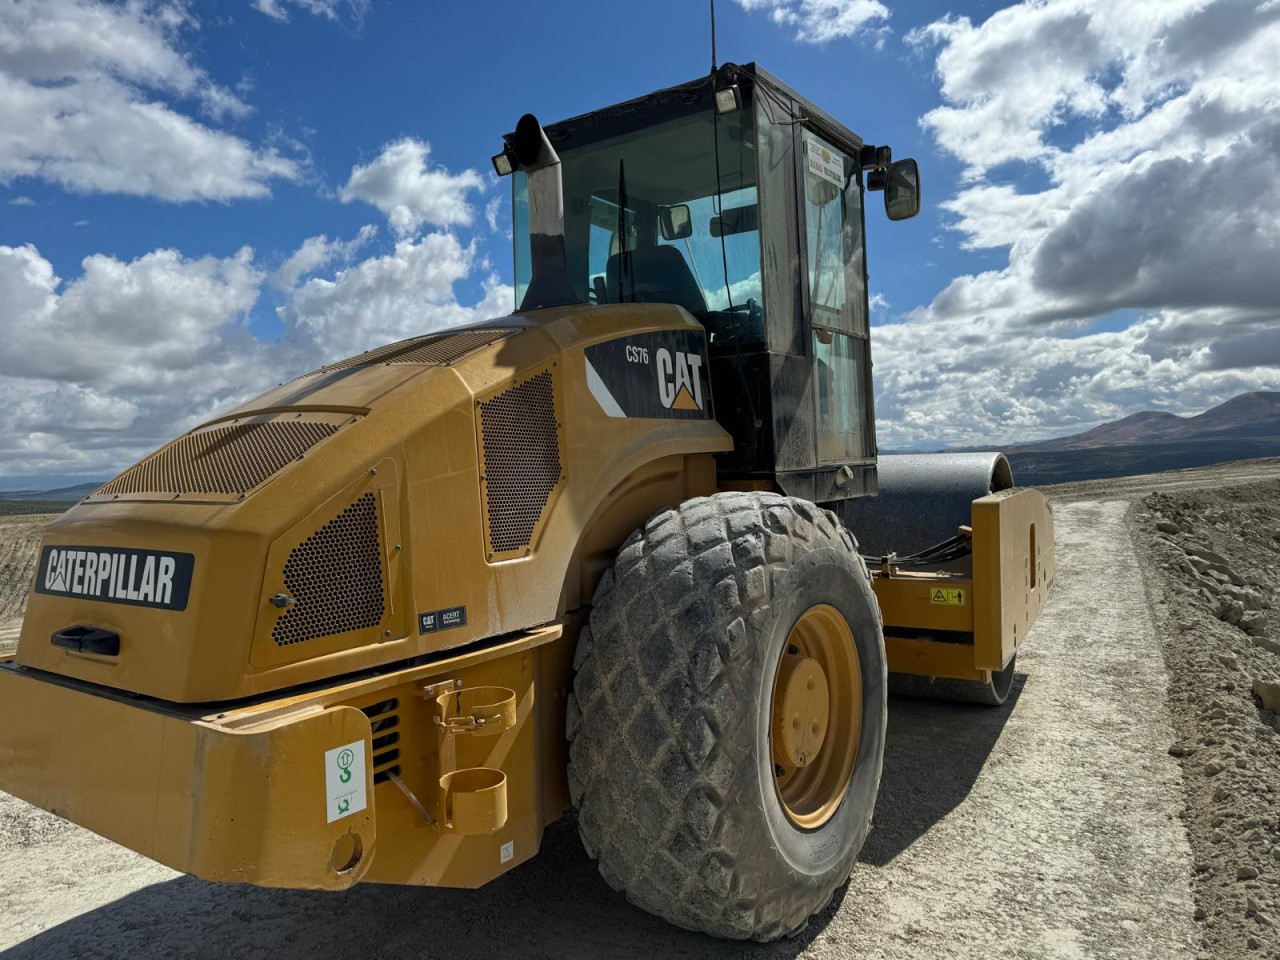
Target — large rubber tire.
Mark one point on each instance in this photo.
(670, 765)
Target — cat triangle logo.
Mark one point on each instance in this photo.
(679, 379)
(684, 401)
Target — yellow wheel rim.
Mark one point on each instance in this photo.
(816, 716)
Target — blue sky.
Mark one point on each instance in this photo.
(336, 91)
(164, 162)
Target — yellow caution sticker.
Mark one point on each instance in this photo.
(949, 598)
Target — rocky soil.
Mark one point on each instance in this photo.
(1215, 590)
(19, 541)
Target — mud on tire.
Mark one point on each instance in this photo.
(669, 759)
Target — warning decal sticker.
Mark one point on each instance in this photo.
(950, 598)
(661, 374)
(344, 780)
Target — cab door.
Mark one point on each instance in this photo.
(835, 298)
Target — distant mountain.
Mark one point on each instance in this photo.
(1248, 415)
(72, 494)
(1035, 469)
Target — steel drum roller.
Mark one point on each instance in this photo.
(923, 498)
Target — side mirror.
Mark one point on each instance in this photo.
(675, 222)
(902, 190)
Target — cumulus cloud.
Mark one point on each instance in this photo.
(388, 298)
(1154, 131)
(318, 252)
(98, 370)
(950, 383)
(401, 183)
(103, 368)
(86, 93)
(820, 21)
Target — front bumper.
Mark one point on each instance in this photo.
(281, 792)
(206, 798)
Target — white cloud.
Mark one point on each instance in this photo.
(277, 9)
(1154, 127)
(102, 369)
(49, 41)
(22, 202)
(952, 383)
(391, 297)
(819, 21)
(84, 91)
(318, 252)
(119, 324)
(401, 184)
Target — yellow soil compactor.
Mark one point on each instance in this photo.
(388, 620)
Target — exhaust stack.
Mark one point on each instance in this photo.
(531, 151)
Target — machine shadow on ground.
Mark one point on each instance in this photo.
(554, 906)
(933, 753)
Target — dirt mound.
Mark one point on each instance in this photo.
(1215, 582)
(19, 543)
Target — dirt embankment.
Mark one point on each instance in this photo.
(1215, 586)
(19, 543)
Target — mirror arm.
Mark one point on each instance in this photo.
(875, 158)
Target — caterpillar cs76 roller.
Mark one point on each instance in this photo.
(388, 620)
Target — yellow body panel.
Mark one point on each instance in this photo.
(408, 435)
(240, 795)
(242, 805)
(1013, 563)
(965, 625)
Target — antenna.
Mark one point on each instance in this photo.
(713, 36)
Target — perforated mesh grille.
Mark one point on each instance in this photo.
(440, 349)
(223, 460)
(334, 578)
(521, 459)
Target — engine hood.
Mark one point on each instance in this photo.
(397, 503)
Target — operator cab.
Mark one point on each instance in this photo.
(719, 195)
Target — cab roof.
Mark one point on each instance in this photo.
(692, 97)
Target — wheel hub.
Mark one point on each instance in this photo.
(816, 716)
(800, 714)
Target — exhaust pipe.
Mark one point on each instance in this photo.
(549, 281)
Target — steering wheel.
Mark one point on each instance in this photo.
(741, 321)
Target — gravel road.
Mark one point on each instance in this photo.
(1046, 828)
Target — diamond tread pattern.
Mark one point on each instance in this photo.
(661, 754)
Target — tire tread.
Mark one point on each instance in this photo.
(656, 729)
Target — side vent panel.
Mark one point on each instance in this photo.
(520, 443)
(384, 719)
(221, 461)
(335, 578)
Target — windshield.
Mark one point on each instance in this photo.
(645, 222)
